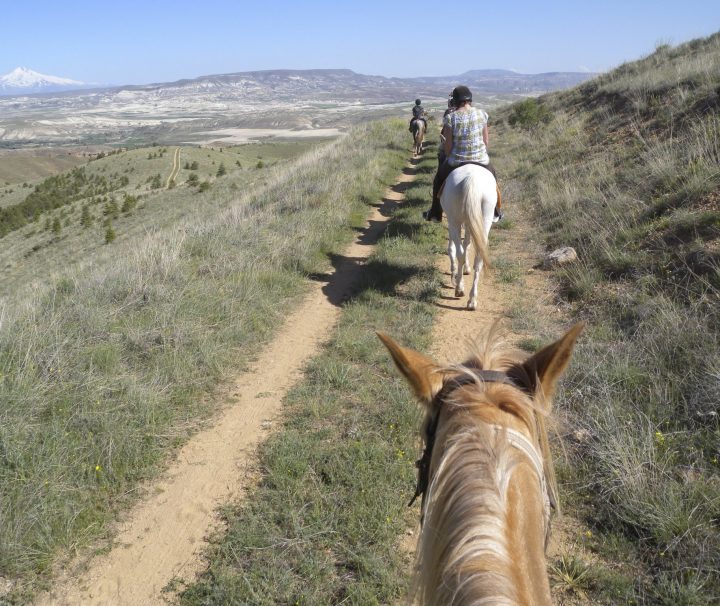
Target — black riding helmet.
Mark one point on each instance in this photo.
(417, 101)
(461, 94)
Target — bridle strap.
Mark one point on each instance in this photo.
(517, 440)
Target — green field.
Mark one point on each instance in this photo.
(31, 255)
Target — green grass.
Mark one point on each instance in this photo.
(324, 523)
(627, 172)
(107, 369)
(34, 253)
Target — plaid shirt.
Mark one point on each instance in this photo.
(467, 142)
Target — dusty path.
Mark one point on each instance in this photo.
(162, 537)
(522, 297)
(175, 169)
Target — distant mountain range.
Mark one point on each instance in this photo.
(23, 81)
(336, 84)
(277, 99)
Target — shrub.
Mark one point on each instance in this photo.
(109, 234)
(529, 114)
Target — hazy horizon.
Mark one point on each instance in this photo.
(139, 43)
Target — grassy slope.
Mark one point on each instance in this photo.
(106, 371)
(324, 523)
(627, 171)
(17, 167)
(34, 253)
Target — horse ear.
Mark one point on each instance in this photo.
(419, 370)
(547, 365)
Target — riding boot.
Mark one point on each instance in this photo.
(498, 214)
(436, 211)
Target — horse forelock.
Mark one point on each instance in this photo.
(464, 550)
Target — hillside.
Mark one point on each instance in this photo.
(50, 225)
(626, 169)
(124, 341)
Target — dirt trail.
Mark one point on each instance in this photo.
(162, 537)
(175, 168)
(522, 297)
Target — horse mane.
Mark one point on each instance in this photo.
(463, 551)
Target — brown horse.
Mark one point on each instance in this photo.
(486, 476)
(418, 135)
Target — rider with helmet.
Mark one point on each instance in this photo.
(465, 132)
(418, 114)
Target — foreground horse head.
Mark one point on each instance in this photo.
(418, 135)
(468, 198)
(486, 475)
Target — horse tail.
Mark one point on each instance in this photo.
(472, 200)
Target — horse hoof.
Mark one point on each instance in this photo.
(459, 293)
(466, 272)
(472, 305)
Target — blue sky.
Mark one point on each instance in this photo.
(134, 42)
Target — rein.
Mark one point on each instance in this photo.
(516, 439)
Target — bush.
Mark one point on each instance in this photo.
(109, 234)
(529, 114)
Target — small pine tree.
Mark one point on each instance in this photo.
(204, 186)
(156, 182)
(221, 170)
(259, 164)
(86, 218)
(56, 226)
(109, 234)
(192, 179)
(194, 165)
(129, 203)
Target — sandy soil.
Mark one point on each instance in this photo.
(162, 538)
(229, 136)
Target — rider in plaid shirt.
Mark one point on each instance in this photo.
(466, 136)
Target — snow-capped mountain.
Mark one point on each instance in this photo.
(22, 81)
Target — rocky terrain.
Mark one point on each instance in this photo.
(179, 112)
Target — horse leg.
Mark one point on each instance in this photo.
(472, 299)
(451, 254)
(466, 246)
(457, 257)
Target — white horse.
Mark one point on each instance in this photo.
(468, 198)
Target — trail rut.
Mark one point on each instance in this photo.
(162, 538)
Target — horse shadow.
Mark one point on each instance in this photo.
(355, 275)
